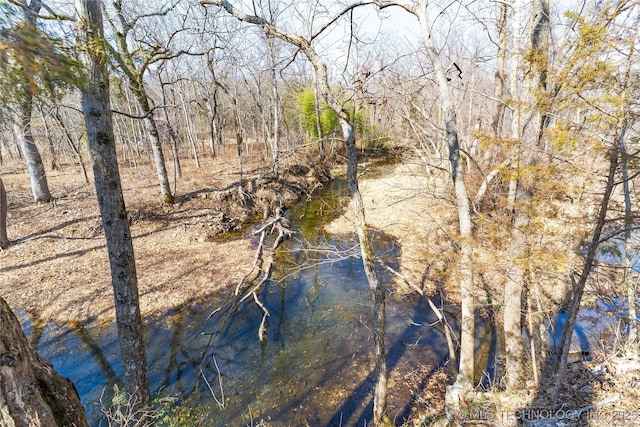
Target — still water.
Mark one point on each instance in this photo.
(314, 368)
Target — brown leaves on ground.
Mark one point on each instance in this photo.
(57, 266)
(408, 203)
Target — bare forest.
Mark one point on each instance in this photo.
(348, 213)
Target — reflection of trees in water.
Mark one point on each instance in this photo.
(37, 329)
(97, 354)
(175, 349)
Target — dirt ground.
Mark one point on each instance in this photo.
(57, 266)
(404, 201)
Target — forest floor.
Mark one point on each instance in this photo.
(57, 268)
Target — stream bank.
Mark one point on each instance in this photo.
(315, 365)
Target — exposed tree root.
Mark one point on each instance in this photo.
(254, 281)
(241, 202)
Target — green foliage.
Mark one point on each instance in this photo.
(370, 135)
(308, 117)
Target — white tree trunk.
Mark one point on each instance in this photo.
(467, 341)
(37, 175)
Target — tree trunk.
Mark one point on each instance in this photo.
(522, 190)
(37, 175)
(366, 251)
(319, 124)
(75, 148)
(500, 74)
(187, 125)
(32, 393)
(47, 136)
(467, 341)
(632, 337)
(512, 315)
(97, 112)
(4, 240)
(173, 137)
(156, 146)
(560, 366)
(276, 111)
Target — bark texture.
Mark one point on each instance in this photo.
(4, 240)
(29, 149)
(97, 112)
(158, 155)
(32, 393)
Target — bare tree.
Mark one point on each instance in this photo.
(467, 340)
(380, 417)
(500, 77)
(97, 112)
(632, 338)
(37, 175)
(135, 70)
(465, 376)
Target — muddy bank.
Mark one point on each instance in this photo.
(243, 202)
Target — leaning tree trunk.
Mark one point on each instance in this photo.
(32, 393)
(4, 240)
(561, 360)
(366, 251)
(156, 145)
(97, 112)
(467, 340)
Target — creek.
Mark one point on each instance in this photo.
(314, 368)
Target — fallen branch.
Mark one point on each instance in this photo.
(220, 401)
(253, 282)
(262, 330)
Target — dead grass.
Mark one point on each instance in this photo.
(57, 267)
(407, 203)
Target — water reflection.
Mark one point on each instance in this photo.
(316, 365)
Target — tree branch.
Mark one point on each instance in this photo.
(52, 17)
